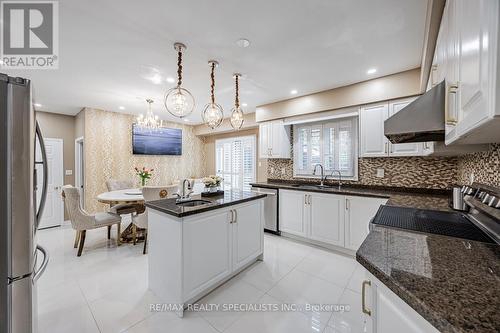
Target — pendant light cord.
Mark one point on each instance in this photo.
(179, 67)
(237, 97)
(212, 86)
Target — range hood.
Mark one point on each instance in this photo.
(420, 121)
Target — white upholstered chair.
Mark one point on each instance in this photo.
(119, 184)
(150, 193)
(81, 221)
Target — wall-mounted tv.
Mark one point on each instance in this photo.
(161, 141)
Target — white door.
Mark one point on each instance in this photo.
(403, 149)
(247, 233)
(292, 205)
(359, 212)
(327, 218)
(373, 141)
(53, 213)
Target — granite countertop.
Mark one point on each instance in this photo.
(229, 198)
(453, 283)
(404, 197)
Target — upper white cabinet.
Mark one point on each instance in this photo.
(467, 55)
(373, 141)
(274, 140)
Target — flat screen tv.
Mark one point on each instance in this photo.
(161, 141)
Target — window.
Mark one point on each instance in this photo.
(331, 143)
(235, 162)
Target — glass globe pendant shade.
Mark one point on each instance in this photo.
(179, 102)
(213, 115)
(236, 118)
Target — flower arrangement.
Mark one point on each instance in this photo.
(144, 174)
(212, 181)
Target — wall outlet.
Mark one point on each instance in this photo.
(380, 173)
(272, 170)
(260, 164)
(68, 172)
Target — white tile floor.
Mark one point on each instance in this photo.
(105, 290)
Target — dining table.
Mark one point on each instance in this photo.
(128, 201)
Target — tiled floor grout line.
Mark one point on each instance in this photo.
(88, 306)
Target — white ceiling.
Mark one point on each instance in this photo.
(109, 49)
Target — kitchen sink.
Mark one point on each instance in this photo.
(193, 203)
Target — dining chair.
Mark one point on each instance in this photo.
(150, 193)
(81, 221)
(119, 184)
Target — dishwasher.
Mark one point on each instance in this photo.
(270, 209)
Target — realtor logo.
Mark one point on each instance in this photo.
(30, 35)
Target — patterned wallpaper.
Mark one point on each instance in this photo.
(109, 135)
(417, 172)
(485, 166)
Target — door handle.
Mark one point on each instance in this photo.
(452, 90)
(232, 217)
(235, 216)
(44, 263)
(346, 204)
(305, 199)
(43, 197)
(363, 296)
(310, 199)
(385, 148)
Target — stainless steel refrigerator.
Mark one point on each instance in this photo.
(22, 261)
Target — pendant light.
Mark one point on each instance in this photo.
(236, 118)
(213, 114)
(150, 121)
(179, 101)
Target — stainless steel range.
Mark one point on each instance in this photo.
(480, 222)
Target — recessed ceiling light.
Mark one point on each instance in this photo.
(38, 105)
(371, 71)
(244, 104)
(121, 107)
(293, 92)
(186, 120)
(243, 42)
(170, 79)
(156, 79)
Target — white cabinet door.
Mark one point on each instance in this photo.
(475, 61)
(403, 149)
(373, 141)
(247, 233)
(207, 249)
(292, 204)
(280, 146)
(359, 212)
(389, 313)
(327, 218)
(264, 140)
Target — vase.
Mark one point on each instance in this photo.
(143, 182)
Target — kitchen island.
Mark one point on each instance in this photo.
(197, 245)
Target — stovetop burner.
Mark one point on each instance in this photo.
(430, 221)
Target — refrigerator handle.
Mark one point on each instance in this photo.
(44, 263)
(45, 175)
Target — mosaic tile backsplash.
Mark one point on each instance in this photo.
(415, 172)
(484, 165)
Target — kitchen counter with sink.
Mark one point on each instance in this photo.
(203, 240)
(199, 204)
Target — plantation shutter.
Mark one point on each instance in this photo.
(235, 162)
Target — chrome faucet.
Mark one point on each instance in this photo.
(322, 173)
(340, 177)
(185, 192)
